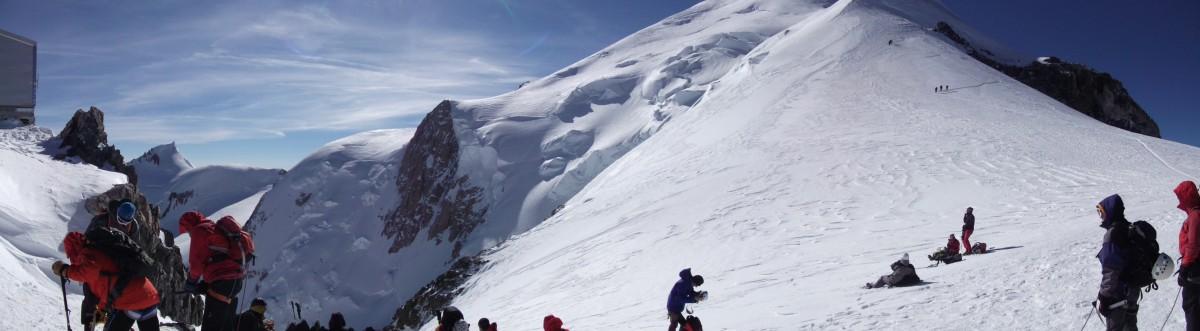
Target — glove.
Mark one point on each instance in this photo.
(1103, 305)
(60, 268)
(193, 287)
(1187, 276)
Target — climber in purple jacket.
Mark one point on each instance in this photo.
(683, 293)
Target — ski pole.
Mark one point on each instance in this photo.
(1089, 316)
(65, 307)
(1164, 325)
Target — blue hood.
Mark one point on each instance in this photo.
(1112, 209)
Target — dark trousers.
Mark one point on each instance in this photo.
(1191, 306)
(87, 309)
(676, 320)
(218, 314)
(1125, 318)
(121, 322)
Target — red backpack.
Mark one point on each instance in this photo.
(234, 243)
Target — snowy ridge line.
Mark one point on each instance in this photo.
(1161, 160)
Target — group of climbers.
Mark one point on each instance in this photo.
(682, 293)
(951, 253)
(115, 270)
(1130, 261)
(1129, 256)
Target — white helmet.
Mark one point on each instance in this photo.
(1163, 268)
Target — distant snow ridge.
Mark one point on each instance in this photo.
(169, 179)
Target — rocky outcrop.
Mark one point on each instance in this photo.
(432, 193)
(1092, 93)
(176, 199)
(169, 274)
(84, 138)
(438, 294)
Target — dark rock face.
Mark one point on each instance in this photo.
(84, 137)
(169, 274)
(1092, 93)
(177, 199)
(432, 193)
(438, 294)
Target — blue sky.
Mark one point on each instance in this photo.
(265, 83)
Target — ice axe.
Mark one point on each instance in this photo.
(63, 282)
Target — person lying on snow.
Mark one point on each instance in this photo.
(903, 274)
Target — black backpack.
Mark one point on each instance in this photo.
(132, 262)
(1142, 253)
(693, 323)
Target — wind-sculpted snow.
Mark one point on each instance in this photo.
(40, 199)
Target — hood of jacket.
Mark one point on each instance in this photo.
(1188, 198)
(1112, 210)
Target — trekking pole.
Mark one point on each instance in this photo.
(1089, 317)
(63, 282)
(1164, 325)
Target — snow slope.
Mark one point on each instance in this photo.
(40, 199)
(819, 158)
(166, 177)
(527, 151)
(317, 232)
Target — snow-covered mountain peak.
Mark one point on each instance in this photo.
(157, 167)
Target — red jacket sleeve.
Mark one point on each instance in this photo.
(198, 255)
(83, 272)
(1190, 246)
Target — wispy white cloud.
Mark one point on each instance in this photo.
(234, 74)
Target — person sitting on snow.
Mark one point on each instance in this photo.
(903, 274)
(948, 254)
